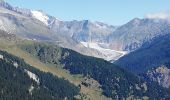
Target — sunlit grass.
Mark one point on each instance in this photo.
(93, 94)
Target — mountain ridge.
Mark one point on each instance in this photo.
(71, 34)
(151, 61)
(57, 32)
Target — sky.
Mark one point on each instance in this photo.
(114, 12)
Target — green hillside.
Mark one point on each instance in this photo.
(10, 44)
(95, 77)
(115, 82)
(16, 84)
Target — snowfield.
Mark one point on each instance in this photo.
(109, 54)
(40, 16)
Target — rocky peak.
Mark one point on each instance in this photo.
(23, 11)
(5, 5)
(135, 21)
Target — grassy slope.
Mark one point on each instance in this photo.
(94, 94)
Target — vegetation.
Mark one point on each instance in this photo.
(15, 83)
(12, 48)
(115, 82)
(151, 55)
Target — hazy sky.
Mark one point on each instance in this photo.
(115, 12)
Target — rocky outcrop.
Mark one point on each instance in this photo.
(160, 75)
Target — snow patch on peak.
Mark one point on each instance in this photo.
(44, 18)
(40, 16)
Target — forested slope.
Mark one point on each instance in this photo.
(115, 82)
(20, 81)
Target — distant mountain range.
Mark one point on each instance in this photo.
(37, 25)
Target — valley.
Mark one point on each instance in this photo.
(50, 58)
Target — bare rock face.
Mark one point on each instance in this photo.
(160, 75)
(132, 35)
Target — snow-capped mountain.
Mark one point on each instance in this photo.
(37, 25)
(40, 16)
(26, 26)
(44, 18)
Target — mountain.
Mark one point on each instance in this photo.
(44, 18)
(12, 44)
(84, 31)
(86, 37)
(151, 60)
(28, 27)
(17, 23)
(40, 39)
(21, 81)
(96, 73)
(132, 35)
(39, 26)
(91, 35)
(115, 82)
(118, 40)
